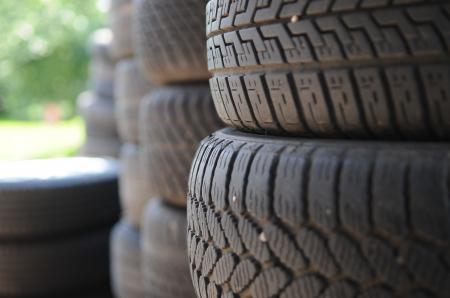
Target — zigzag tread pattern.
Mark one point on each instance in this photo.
(223, 15)
(173, 121)
(169, 39)
(390, 34)
(380, 72)
(272, 256)
(402, 102)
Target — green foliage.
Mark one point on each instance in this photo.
(43, 53)
(35, 139)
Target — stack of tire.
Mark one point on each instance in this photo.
(130, 88)
(55, 220)
(96, 106)
(170, 47)
(283, 204)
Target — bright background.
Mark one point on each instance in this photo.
(44, 63)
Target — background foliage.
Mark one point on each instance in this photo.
(43, 54)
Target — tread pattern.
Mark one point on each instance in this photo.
(132, 184)
(174, 119)
(330, 68)
(169, 40)
(101, 66)
(164, 259)
(120, 21)
(302, 235)
(130, 88)
(56, 267)
(77, 195)
(126, 275)
(98, 114)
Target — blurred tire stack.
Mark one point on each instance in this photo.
(174, 117)
(55, 220)
(130, 88)
(272, 213)
(96, 106)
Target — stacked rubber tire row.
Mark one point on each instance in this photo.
(96, 106)
(55, 220)
(277, 210)
(129, 89)
(170, 48)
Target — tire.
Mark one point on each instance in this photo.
(126, 273)
(54, 267)
(170, 43)
(173, 121)
(120, 21)
(54, 198)
(104, 293)
(132, 184)
(101, 147)
(98, 114)
(131, 87)
(101, 67)
(165, 264)
(286, 217)
(375, 69)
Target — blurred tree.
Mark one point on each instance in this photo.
(43, 53)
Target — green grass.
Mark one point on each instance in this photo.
(34, 140)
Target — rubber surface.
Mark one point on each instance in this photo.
(164, 255)
(169, 40)
(51, 198)
(132, 184)
(101, 66)
(126, 272)
(332, 67)
(131, 87)
(174, 119)
(286, 217)
(101, 147)
(98, 114)
(56, 267)
(120, 21)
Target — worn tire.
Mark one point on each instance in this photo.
(98, 114)
(332, 68)
(54, 267)
(101, 66)
(120, 21)
(101, 147)
(52, 198)
(164, 254)
(126, 275)
(131, 87)
(132, 184)
(169, 40)
(288, 217)
(174, 119)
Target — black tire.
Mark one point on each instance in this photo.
(286, 217)
(104, 293)
(174, 119)
(101, 67)
(132, 184)
(131, 87)
(98, 114)
(101, 147)
(164, 254)
(169, 40)
(52, 198)
(56, 267)
(126, 275)
(120, 21)
(332, 68)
